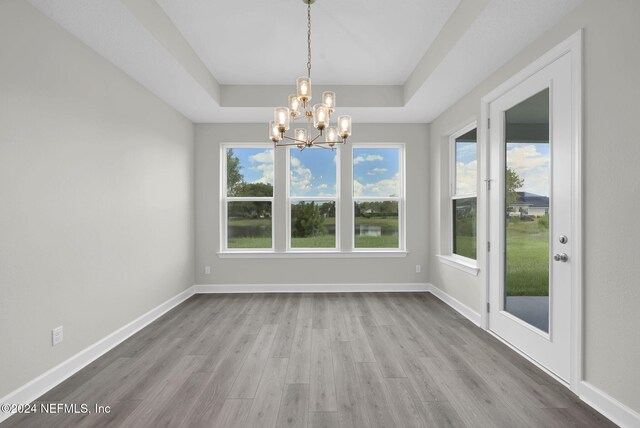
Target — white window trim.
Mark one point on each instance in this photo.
(400, 199)
(290, 199)
(457, 261)
(224, 199)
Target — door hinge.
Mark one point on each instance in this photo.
(489, 123)
(488, 246)
(488, 184)
(488, 307)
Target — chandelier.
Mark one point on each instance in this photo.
(317, 117)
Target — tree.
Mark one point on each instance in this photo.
(514, 182)
(234, 176)
(307, 220)
(253, 189)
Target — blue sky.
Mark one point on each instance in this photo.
(466, 168)
(255, 164)
(313, 172)
(376, 172)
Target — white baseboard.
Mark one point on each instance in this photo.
(617, 412)
(312, 288)
(43, 383)
(456, 304)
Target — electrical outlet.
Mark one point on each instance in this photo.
(207, 270)
(56, 336)
(418, 268)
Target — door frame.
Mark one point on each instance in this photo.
(571, 46)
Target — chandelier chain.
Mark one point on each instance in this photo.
(309, 39)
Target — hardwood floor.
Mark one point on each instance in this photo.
(314, 360)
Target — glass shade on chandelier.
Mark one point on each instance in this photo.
(317, 117)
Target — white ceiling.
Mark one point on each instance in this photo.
(366, 42)
(203, 56)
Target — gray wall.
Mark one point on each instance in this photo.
(96, 191)
(321, 270)
(611, 180)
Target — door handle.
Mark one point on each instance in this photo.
(561, 257)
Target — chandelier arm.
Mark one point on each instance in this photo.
(315, 138)
(324, 146)
(279, 144)
(293, 139)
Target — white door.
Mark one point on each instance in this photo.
(530, 214)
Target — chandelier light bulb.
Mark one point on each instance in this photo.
(274, 132)
(344, 126)
(329, 99)
(301, 136)
(294, 105)
(281, 118)
(331, 136)
(304, 89)
(320, 116)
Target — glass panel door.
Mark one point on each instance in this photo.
(527, 181)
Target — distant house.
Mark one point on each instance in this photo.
(530, 204)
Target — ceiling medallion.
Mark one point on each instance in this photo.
(317, 117)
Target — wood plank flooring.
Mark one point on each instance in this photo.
(313, 360)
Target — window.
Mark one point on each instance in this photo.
(378, 196)
(247, 197)
(464, 182)
(312, 198)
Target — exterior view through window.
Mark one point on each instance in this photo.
(527, 193)
(464, 195)
(313, 198)
(377, 196)
(248, 197)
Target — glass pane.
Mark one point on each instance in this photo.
(466, 164)
(249, 224)
(249, 172)
(313, 172)
(313, 224)
(376, 172)
(464, 227)
(527, 180)
(376, 224)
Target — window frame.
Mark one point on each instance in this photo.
(401, 199)
(224, 199)
(453, 166)
(290, 199)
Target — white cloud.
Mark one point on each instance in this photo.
(386, 187)
(262, 157)
(301, 177)
(264, 161)
(322, 186)
(466, 177)
(531, 166)
(368, 158)
(377, 171)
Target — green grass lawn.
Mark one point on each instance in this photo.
(390, 241)
(466, 246)
(527, 259)
(264, 242)
(322, 241)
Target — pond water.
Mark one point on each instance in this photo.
(262, 231)
(374, 230)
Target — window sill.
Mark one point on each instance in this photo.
(311, 254)
(466, 265)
